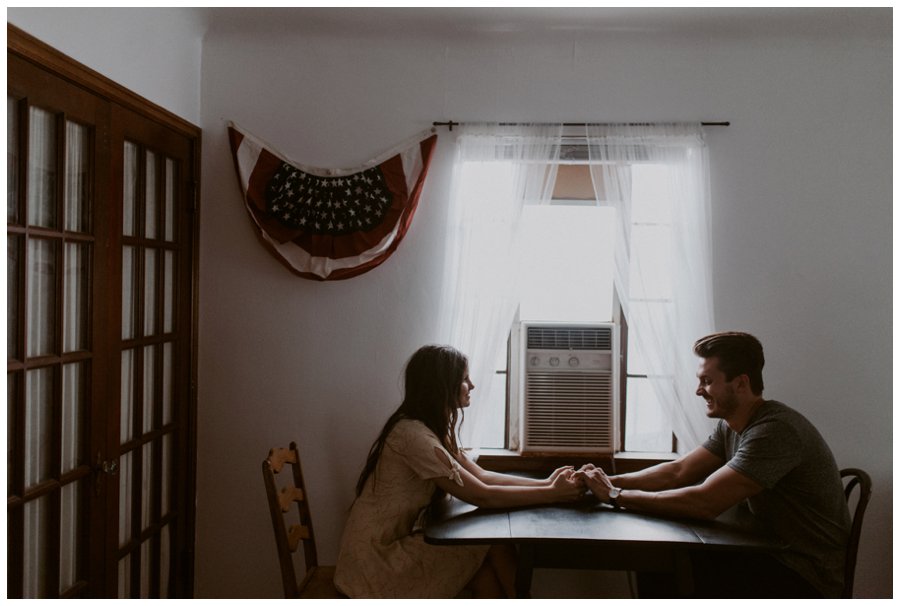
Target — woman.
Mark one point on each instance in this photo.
(415, 458)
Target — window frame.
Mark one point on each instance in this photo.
(498, 458)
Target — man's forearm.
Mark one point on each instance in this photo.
(681, 503)
(720, 491)
(659, 477)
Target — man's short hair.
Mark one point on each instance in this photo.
(738, 353)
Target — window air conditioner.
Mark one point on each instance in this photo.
(568, 387)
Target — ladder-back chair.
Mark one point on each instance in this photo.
(317, 581)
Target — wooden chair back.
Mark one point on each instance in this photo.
(857, 478)
(291, 521)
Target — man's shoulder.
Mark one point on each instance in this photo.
(779, 412)
(776, 419)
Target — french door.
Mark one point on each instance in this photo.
(100, 332)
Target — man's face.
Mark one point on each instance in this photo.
(718, 392)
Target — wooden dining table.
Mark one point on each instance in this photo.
(591, 535)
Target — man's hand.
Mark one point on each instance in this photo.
(597, 481)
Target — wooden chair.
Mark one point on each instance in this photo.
(317, 581)
(860, 478)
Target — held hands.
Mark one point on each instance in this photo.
(570, 485)
(596, 481)
(567, 484)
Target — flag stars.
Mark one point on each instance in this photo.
(325, 204)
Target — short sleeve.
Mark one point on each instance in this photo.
(715, 443)
(417, 445)
(768, 451)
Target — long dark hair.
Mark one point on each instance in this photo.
(432, 382)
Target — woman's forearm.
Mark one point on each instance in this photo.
(493, 478)
(495, 496)
(502, 479)
(491, 489)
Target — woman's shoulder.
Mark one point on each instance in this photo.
(411, 426)
(409, 430)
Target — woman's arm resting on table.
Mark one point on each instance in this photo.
(501, 479)
(565, 487)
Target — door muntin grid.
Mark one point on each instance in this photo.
(50, 248)
(150, 255)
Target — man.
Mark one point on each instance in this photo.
(763, 452)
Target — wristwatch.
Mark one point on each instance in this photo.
(613, 496)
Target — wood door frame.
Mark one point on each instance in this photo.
(46, 57)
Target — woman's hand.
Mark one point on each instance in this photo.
(567, 484)
(557, 472)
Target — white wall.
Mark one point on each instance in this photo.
(801, 234)
(153, 52)
(801, 222)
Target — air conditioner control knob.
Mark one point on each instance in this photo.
(534, 361)
(554, 361)
(574, 362)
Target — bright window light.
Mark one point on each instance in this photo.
(567, 275)
(568, 263)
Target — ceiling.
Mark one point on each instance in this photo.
(491, 22)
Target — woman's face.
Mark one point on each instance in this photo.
(465, 390)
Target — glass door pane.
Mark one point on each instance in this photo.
(42, 168)
(77, 284)
(12, 160)
(41, 296)
(39, 419)
(78, 181)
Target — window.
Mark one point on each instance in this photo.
(646, 425)
(662, 269)
(567, 273)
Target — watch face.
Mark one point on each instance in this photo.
(614, 493)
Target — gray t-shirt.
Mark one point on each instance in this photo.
(803, 501)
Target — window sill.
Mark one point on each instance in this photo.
(502, 460)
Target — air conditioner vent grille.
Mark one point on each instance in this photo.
(569, 410)
(570, 337)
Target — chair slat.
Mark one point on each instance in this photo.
(296, 534)
(279, 456)
(288, 495)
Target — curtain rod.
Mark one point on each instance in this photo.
(450, 124)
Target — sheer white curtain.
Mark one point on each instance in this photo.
(481, 282)
(663, 269)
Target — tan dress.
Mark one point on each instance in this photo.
(383, 553)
